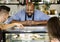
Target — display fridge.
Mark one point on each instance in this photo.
(28, 34)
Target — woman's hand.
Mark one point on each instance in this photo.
(19, 25)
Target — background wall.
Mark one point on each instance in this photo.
(16, 8)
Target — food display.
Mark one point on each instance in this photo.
(29, 37)
(28, 34)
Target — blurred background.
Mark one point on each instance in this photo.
(50, 7)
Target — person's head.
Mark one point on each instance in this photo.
(29, 8)
(54, 27)
(4, 13)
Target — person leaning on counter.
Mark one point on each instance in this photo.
(4, 13)
(29, 16)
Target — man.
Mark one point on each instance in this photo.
(4, 13)
(30, 16)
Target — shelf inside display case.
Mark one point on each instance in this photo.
(28, 37)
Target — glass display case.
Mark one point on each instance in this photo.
(28, 34)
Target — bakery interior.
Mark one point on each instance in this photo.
(36, 33)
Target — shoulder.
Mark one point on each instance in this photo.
(54, 40)
(21, 11)
(38, 11)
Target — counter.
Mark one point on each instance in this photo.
(28, 34)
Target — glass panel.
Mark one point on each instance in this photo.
(27, 37)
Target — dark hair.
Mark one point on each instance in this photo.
(5, 8)
(30, 3)
(54, 27)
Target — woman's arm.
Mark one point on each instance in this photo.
(6, 26)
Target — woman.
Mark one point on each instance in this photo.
(4, 13)
(54, 29)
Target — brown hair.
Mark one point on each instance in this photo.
(54, 27)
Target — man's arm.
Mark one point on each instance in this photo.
(30, 23)
(39, 22)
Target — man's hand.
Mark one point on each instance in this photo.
(30, 22)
